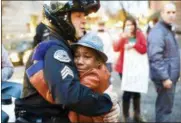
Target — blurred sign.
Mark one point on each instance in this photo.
(135, 72)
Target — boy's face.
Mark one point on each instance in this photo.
(85, 58)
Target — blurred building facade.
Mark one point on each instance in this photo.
(19, 19)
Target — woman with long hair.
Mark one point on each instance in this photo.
(131, 37)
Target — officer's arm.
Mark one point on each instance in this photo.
(63, 82)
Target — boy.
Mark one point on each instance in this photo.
(90, 60)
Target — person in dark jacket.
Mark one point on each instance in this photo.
(164, 60)
(53, 63)
(42, 33)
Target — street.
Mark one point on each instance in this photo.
(147, 100)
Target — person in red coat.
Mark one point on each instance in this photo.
(131, 37)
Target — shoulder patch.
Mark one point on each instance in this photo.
(62, 56)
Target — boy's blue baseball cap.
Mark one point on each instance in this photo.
(93, 41)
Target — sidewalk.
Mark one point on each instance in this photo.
(148, 104)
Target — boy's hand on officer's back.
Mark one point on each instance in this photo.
(113, 115)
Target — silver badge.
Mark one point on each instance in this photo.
(62, 56)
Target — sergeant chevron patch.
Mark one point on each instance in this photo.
(66, 71)
(62, 56)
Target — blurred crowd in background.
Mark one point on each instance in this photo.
(19, 23)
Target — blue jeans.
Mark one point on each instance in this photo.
(11, 88)
(8, 90)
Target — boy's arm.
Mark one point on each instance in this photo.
(90, 79)
(97, 78)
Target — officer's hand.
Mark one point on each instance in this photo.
(113, 95)
(167, 83)
(113, 115)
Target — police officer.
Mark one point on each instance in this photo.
(66, 21)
